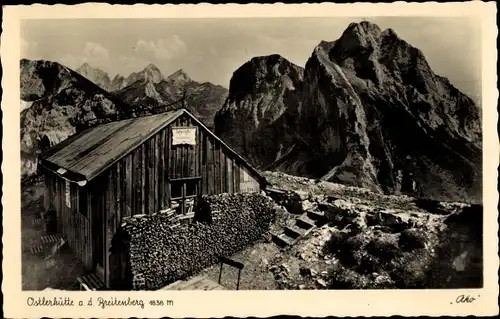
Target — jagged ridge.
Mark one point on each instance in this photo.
(152, 94)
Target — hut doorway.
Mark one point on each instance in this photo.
(99, 227)
(183, 194)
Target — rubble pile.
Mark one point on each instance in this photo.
(162, 251)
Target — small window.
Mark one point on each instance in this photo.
(191, 188)
(82, 201)
(177, 206)
(176, 189)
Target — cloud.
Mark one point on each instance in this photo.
(162, 49)
(93, 53)
(95, 50)
(72, 61)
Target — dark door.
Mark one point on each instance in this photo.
(184, 194)
(98, 226)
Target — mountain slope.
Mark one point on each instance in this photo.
(118, 83)
(254, 118)
(372, 113)
(203, 99)
(95, 75)
(60, 99)
(145, 95)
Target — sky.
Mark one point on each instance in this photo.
(212, 49)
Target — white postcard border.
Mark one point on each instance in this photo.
(248, 303)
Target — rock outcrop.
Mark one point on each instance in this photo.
(101, 78)
(118, 82)
(370, 112)
(59, 101)
(151, 73)
(146, 96)
(368, 240)
(257, 115)
(96, 75)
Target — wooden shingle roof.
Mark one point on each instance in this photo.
(90, 152)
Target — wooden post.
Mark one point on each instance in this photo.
(231, 263)
(238, 283)
(220, 273)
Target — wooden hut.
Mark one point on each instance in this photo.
(135, 166)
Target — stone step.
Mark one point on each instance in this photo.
(305, 222)
(36, 249)
(316, 215)
(49, 263)
(50, 239)
(37, 221)
(283, 240)
(294, 232)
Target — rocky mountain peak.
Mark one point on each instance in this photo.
(179, 76)
(358, 37)
(343, 119)
(118, 77)
(150, 72)
(263, 72)
(371, 54)
(365, 27)
(152, 68)
(85, 66)
(260, 92)
(96, 75)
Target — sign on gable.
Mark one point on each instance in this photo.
(184, 135)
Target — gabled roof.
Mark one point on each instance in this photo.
(90, 152)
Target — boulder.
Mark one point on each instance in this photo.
(411, 239)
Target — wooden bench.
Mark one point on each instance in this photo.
(91, 282)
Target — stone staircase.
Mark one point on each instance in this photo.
(304, 224)
(45, 242)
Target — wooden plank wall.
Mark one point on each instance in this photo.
(72, 223)
(96, 210)
(248, 183)
(219, 169)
